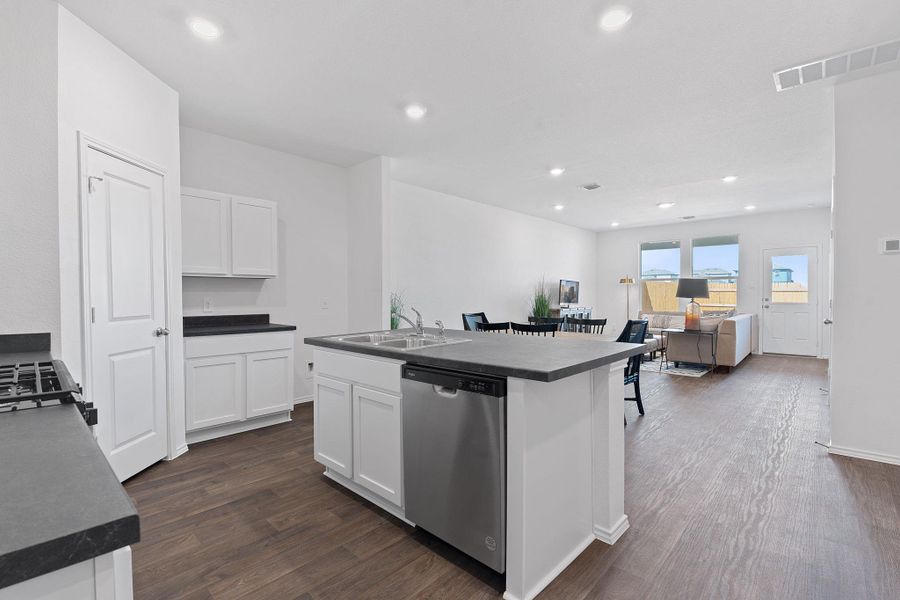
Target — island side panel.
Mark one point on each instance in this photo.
(610, 520)
(549, 480)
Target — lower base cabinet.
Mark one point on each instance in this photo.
(359, 429)
(232, 380)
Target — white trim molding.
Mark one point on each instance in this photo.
(612, 536)
(553, 574)
(865, 455)
(303, 399)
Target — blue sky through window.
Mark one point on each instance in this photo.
(799, 265)
(653, 262)
(716, 258)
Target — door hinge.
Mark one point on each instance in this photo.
(91, 180)
(93, 314)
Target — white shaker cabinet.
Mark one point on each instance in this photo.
(377, 442)
(333, 425)
(238, 382)
(224, 235)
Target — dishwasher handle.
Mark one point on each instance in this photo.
(446, 392)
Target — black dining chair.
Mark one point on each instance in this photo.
(470, 319)
(495, 327)
(543, 320)
(586, 325)
(634, 333)
(535, 329)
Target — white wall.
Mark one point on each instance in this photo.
(865, 384)
(107, 96)
(370, 185)
(29, 259)
(618, 254)
(311, 289)
(449, 255)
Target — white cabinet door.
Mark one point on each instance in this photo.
(254, 238)
(377, 443)
(214, 390)
(204, 225)
(270, 382)
(333, 425)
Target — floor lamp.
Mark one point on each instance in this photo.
(627, 281)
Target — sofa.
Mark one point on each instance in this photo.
(734, 340)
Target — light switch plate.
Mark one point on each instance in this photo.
(890, 245)
(207, 304)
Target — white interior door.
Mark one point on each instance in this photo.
(790, 302)
(126, 270)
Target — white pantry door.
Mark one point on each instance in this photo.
(790, 303)
(126, 238)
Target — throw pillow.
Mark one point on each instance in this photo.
(710, 323)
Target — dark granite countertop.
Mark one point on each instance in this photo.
(526, 357)
(60, 502)
(231, 325)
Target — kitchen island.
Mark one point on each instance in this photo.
(564, 454)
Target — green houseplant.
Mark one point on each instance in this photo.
(540, 300)
(396, 309)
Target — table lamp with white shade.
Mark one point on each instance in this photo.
(627, 281)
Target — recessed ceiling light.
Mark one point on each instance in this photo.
(416, 111)
(557, 171)
(205, 29)
(666, 204)
(615, 18)
(750, 207)
(614, 224)
(558, 207)
(729, 178)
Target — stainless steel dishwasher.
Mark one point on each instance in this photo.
(454, 459)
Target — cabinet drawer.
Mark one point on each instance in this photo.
(377, 373)
(217, 345)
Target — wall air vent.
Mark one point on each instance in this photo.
(590, 187)
(688, 217)
(833, 66)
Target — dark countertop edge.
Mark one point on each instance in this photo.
(462, 365)
(27, 563)
(236, 329)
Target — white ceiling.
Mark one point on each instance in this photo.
(658, 111)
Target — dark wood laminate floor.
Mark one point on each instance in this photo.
(726, 494)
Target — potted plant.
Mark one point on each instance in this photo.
(540, 300)
(396, 309)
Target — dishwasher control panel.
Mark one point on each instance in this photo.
(474, 383)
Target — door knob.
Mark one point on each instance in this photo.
(160, 331)
(827, 321)
(765, 306)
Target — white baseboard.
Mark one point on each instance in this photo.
(303, 399)
(201, 435)
(865, 455)
(612, 536)
(181, 450)
(367, 495)
(553, 574)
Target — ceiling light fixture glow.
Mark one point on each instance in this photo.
(557, 171)
(614, 224)
(615, 18)
(729, 178)
(415, 111)
(558, 207)
(205, 29)
(666, 204)
(750, 207)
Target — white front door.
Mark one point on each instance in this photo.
(790, 303)
(126, 270)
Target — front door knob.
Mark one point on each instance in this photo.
(160, 331)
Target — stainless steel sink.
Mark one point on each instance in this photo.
(400, 341)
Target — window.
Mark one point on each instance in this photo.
(790, 279)
(660, 269)
(716, 259)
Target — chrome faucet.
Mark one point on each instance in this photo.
(419, 325)
(440, 325)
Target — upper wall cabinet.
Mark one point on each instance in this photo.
(228, 236)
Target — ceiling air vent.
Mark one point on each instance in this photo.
(688, 217)
(833, 66)
(590, 187)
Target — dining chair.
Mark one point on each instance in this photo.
(495, 327)
(470, 319)
(634, 333)
(535, 328)
(586, 325)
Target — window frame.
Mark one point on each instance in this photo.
(736, 278)
(676, 243)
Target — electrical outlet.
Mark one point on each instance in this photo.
(207, 304)
(324, 305)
